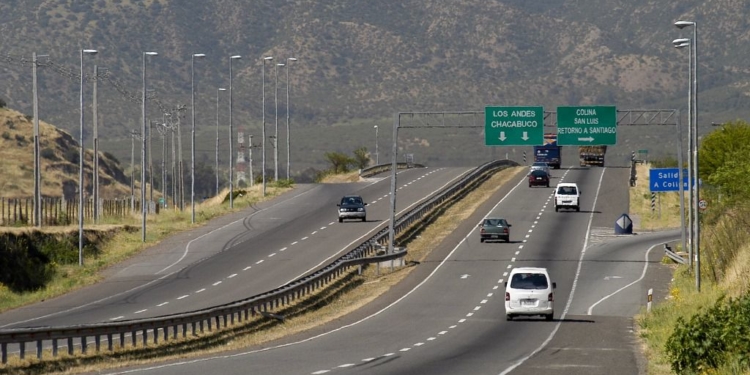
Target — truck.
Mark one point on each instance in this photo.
(591, 155)
(550, 152)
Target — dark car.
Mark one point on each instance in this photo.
(352, 207)
(538, 178)
(494, 228)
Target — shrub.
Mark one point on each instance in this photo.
(6, 135)
(3, 103)
(49, 153)
(71, 155)
(283, 183)
(20, 139)
(29, 118)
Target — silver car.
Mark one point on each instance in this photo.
(352, 207)
(539, 166)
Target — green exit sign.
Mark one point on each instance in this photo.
(513, 126)
(587, 126)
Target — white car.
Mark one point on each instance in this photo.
(567, 195)
(529, 291)
(539, 166)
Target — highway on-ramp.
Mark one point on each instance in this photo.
(236, 256)
(447, 316)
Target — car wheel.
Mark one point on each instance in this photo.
(549, 317)
(578, 209)
(341, 220)
(481, 240)
(509, 317)
(529, 185)
(548, 184)
(557, 209)
(364, 219)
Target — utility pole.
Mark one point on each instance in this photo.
(96, 148)
(150, 161)
(133, 135)
(250, 146)
(37, 164)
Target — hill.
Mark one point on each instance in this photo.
(360, 62)
(59, 158)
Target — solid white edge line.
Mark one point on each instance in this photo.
(572, 289)
(643, 274)
(241, 354)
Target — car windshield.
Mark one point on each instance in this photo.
(529, 281)
(566, 190)
(494, 222)
(351, 200)
(543, 165)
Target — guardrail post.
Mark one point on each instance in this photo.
(54, 347)
(110, 344)
(208, 322)
(174, 331)
(193, 326)
(231, 318)
(225, 322)
(122, 339)
(166, 333)
(4, 354)
(156, 335)
(201, 325)
(83, 344)
(133, 338)
(98, 342)
(38, 349)
(145, 337)
(184, 330)
(70, 346)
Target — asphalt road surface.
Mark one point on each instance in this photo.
(236, 256)
(447, 316)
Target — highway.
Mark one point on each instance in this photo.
(236, 256)
(447, 316)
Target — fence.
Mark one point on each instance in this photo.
(263, 303)
(59, 211)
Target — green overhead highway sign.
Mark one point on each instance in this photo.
(587, 126)
(514, 126)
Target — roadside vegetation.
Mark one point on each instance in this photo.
(708, 332)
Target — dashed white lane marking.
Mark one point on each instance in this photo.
(200, 290)
(405, 349)
(295, 242)
(259, 262)
(505, 274)
(484, 301)
(512, 259)
(272, 254)
(494, 287)
(527, 236)
(247, 268)
(530, 230)
(183, 297)
(509, 266)
(216, 283)
(117, 317)
(419, 344)
(536, 222)
(345, 365)
(490, 294)
(470, 314)
(442, 332)
(520, 246)
(477, 308)
(501, 281)
(321, 228)
(518, 252)
(283, 249)
(368, 359)
(430, 338)
(331, 223)
(453, 326)
(315, 231)
(461, 320)
(162, 304)
(231, 276)
(388, 354)
(141, 311)
(320, 372)
(304, 238)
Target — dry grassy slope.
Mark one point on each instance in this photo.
(17, 167)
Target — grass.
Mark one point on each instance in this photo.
(127, 242)
(725, 255)
(350, 292)
(667, 211)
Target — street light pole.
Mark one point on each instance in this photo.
(192, 136)
(37, 161)
(276, 131)
(682, 43)
(219, 90)
(231, 138)
(80, 167)
(288, 137)
(144, 208)
(377, 156)
(263, 124)
(696, 196)
(250, 146)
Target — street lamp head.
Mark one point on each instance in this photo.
(292, 58)
(680, 41)
(268, 58)
(235, 57)
(199, 55)
(150, 53)
(684, 24)
(90, 51)
(279, 64)
(375, 126)
(682, 45)
(222, 89)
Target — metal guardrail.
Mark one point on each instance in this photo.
(380, 168)
(196, 321)
(674, 256)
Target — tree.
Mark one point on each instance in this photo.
(340, 163)
(720, 146)
(361, 158)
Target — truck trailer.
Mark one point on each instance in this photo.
(550, 152)
(591, 155)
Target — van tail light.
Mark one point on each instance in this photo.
(505, 230)
(550, 297)
(507, 296)
(482, 231)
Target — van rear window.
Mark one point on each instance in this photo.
(529, 281)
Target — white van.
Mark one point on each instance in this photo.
(567, 195)
(529, 291)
